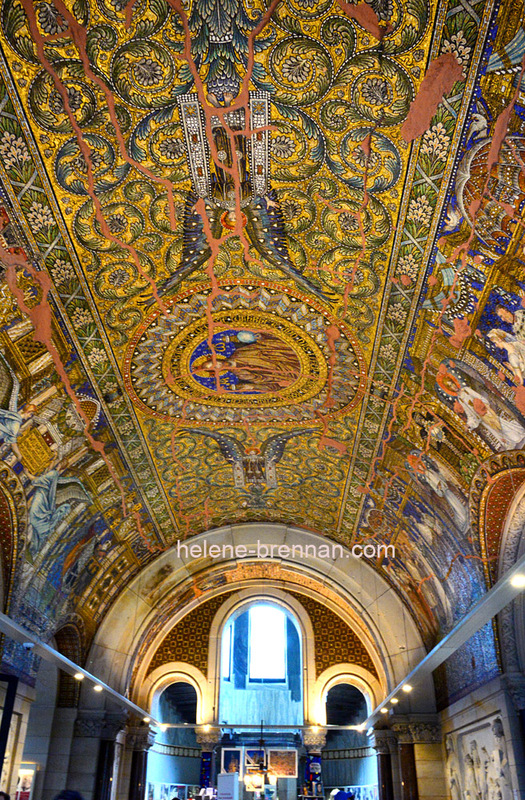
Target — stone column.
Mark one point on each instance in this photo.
(314, 741)
(138, 740)
(407, 761)
(428, 753)
(118, 764)
(83, 757)
(381, 745)
(514, 683)
(60, 744)
(105, 778)
(208, 738)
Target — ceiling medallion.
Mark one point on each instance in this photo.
(261, 349)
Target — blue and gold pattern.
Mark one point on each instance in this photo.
(268, 304)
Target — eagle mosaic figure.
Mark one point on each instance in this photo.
(253, 466)
(230, 172)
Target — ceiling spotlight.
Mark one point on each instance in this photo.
(384, 711)
(97, 687)
(394, 701)
(315, 728)
(518, 581)
(146, 719)
(163, 727)
(79, 676)
(407, 688)
(206, 728)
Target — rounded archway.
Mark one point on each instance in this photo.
(261, 674)
(174, 759)
(346, 704)
(174, 587)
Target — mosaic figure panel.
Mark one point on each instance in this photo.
(240, 282)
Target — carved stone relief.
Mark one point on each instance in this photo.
(477, 764)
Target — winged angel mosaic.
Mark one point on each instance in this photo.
(247, 274)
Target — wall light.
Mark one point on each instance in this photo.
(206, 728)
(384, 711)
(97, 687)
(394, 701)
(146, 719)
(78, 676)
(407, 688)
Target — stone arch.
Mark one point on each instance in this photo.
(497, 507)
(353, 674)
(243, 600)
(164, 676)
(511, 620)
(175, 583)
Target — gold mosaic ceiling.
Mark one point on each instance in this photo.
(261, 263)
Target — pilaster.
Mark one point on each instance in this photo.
(139, 739)
(208, 738)
(84, 753)
(421, 756)
(383, 742)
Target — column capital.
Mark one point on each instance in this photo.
(114, 723)
(139, 737)
(90, 724)
(514, 683)
(207, 737)
(384, 741)
(425, 731)
(403, 731)
(314, 740)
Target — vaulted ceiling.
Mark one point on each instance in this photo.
(261, 263)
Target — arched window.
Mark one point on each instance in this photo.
(176, 703)
(261, 652)
(258, 641)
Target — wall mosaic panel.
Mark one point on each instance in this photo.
(238, 284)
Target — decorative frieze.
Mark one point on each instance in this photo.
(176, 750)
(351, 752)
(417, 729)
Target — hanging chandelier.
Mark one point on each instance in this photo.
(255, 776)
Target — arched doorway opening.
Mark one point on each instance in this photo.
(348, 760)
(174, 759)
(261, 666)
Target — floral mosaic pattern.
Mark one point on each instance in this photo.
(114, 217)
